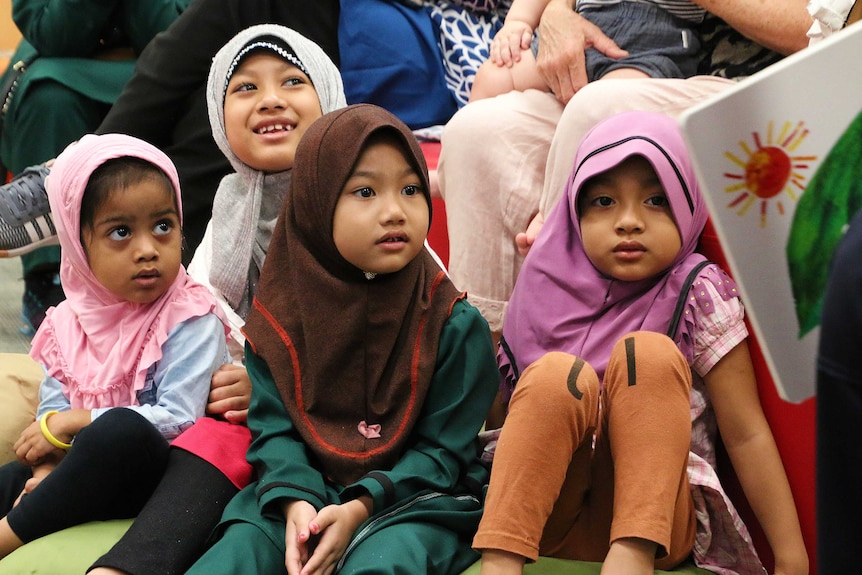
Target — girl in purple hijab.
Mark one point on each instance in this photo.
(623, 353)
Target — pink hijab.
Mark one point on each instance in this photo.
(561, 302)
(98, 345)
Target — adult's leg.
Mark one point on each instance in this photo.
(839, 411)
(37, 128)
(171, 531)
(604, 98)
(109, 473)
(490, 173)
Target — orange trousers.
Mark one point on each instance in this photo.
(577, 468)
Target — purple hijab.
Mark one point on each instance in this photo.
(561, 302)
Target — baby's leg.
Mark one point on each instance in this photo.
(492, 80)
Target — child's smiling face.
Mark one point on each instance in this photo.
(381, 218)
(134, 245)
(268, 106)
(627, 227)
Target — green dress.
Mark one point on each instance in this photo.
(67, 90)
(425, 509)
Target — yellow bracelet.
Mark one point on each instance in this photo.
(43, 424)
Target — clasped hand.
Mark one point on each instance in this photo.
(316, 541)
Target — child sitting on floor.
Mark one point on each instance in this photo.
(622, 351)
(128, 356)
(371, 373)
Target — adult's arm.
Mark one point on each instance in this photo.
(776, 24)
(74, 29)
(58, 28)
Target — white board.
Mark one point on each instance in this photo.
(775, 156)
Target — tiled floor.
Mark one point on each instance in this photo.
(11, 288)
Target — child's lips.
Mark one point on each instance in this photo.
(629, 250)
(274, 127)
(393, 241)
(147, 278)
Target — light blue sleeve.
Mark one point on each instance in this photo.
(51, 396)
(177, 387)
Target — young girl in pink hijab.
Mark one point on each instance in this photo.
(623, 352)
(135, 332)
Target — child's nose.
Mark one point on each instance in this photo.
(393, 211)
(270, 99)
(145, 248)
(630, 219)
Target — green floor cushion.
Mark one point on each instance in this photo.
(550, 566)
(73, 550)
(70, 551)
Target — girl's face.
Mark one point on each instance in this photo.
(627, 227)
(268, 106)
(381, 218)
(134, 246)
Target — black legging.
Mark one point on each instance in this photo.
(172, 529)
(109, 473)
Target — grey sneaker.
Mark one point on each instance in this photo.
(25, 216)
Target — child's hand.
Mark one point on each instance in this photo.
(32, 447)
(230, 393)
(333, 529)
(297, 538)
(507, 44)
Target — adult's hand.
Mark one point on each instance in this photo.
(564, 35)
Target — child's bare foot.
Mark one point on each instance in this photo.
(524, 240)
(434, 184)
(106, 571)
(631, 556)
(495, 562)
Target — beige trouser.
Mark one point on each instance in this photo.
(504, 159)
(553, 494)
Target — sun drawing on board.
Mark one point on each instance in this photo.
(770, 171)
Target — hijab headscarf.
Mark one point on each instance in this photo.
(352, 358)
(247, 202)
(561, 302)
(96, 344)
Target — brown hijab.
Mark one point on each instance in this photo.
(351, 357)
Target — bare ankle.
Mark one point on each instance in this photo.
(630, 556)
(497, 562)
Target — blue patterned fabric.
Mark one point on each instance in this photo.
(465, 29)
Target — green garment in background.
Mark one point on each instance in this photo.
(67, 90)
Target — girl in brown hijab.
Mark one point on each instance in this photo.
(371, 373)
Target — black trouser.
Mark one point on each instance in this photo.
(109, 473)
(173, 528)
(839, 411)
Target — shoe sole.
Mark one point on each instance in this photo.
(37, 237)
